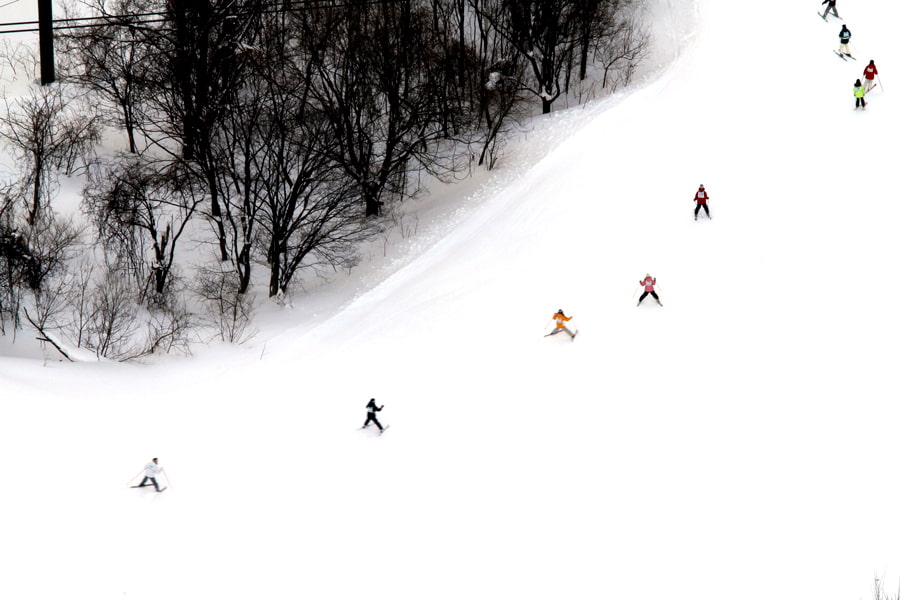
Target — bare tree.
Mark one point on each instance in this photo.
(141, 209)
(229, 312)
(113, 315)
(878, 592)
(167, 331)
(77, 297)
(287, 196)
(378, 96)
(544, 33)
(19, 271)
(196, 72)
(48, 132)
(110, 59)
(619, 52)
(501, 104)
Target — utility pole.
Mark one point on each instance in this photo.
(45, 32)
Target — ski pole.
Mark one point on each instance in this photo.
(133, 477)
(635, 292)
(168, 481)
(879, 82)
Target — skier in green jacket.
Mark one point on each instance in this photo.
(860, 93)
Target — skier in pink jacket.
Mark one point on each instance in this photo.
(649, 284)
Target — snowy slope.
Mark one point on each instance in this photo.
(737, 443)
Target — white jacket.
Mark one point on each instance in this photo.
(152, 470)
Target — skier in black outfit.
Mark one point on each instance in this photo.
(373, 408)
(844, 50)
(831, 8)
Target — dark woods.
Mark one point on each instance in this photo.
(276, 135)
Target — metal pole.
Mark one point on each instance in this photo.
(168, 481)
(45, 32)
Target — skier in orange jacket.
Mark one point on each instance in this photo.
(561, 318)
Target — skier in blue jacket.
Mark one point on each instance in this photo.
(844, 49)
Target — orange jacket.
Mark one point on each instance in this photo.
(560, 320)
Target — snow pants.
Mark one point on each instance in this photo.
(151, 480)
(644, 295)
(830, 8)
(861, 102)
(372, 419)
(870, 83)
(844, 49)
(697, 210)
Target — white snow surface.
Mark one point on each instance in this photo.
(738, 443)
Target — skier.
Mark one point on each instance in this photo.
(860, 93)
(561, 318)
(831, 8)
(844, 48)
(869, 74)
(701, 198)
(151, 471)
(371, 409)
(649, 284)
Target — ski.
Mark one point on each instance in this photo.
(574, 334)
(841, 55)
(851, 56)
(150, 486)
(383, 430)
(824, 18)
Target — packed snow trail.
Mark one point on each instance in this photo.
(739, 441)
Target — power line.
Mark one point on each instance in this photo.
(160, 17)
(47, 25)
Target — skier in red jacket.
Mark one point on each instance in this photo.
(649, 284)
(869, 74)
(701, 198)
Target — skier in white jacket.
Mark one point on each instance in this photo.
(151, 472)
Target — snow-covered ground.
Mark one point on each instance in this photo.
(738, 443)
